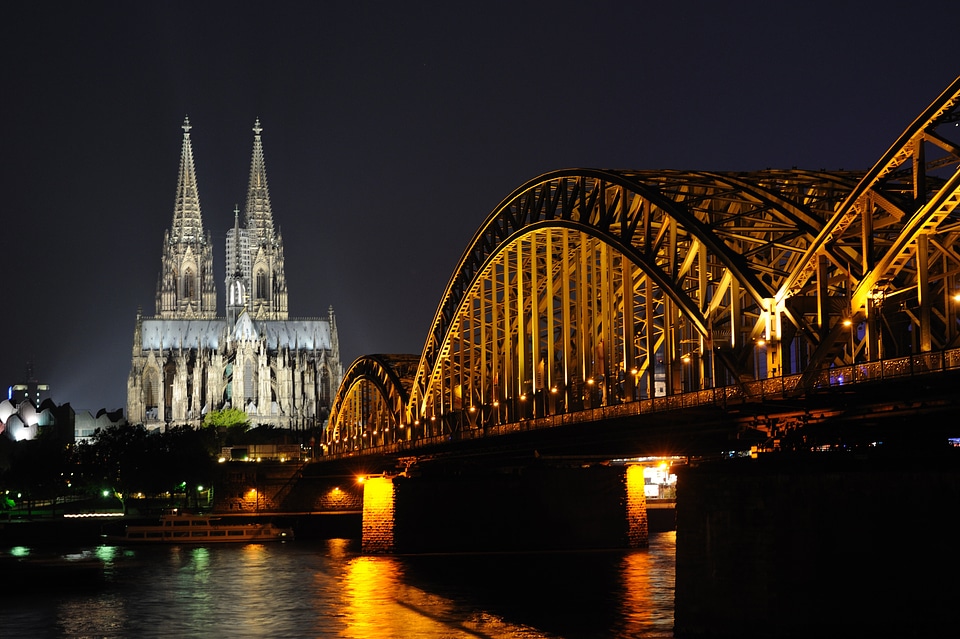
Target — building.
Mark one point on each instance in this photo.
(30, 389)
(187, 360)
(24, 420)
(29, 411)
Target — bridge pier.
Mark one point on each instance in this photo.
(818, 546)
(379, 510)
(530, 508)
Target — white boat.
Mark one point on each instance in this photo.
(200, 529)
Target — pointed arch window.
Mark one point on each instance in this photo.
(189, 285)
(249, 380)
(262, 285)
(151, 394)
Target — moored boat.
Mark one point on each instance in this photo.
(200, 529)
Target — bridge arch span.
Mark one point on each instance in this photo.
(371, 403)
(637, 283)
(894, 234)
(592, 287)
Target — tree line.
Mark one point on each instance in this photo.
(122, 460)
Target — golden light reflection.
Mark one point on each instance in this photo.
(338, 549)
(648, 589)
(255, 575)
(379, 605)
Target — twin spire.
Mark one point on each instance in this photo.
(187, 219)
(254, 255)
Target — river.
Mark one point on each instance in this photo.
(326, 588)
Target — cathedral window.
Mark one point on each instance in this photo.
(262, 285)
(189, 285)
(150, 392)
(249, 382)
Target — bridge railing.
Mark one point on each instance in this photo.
(752, 391)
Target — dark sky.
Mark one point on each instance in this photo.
(391, 131)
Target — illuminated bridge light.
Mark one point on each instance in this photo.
(579, 276)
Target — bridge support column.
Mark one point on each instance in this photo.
(818, 546)
(521, 509)
(379, 496)
(638, 527)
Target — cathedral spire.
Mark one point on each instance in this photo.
(187, 221)
(258, 215)
(263, 260)
(186, 286)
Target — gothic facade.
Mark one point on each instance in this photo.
(187, 360)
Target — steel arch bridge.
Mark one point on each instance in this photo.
(592, 288)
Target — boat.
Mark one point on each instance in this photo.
(182, 528)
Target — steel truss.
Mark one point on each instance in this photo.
(370, 404)
(589, 288)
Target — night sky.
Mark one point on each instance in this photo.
(391, 131)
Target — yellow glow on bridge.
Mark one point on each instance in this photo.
(638, 528)
(635, 291)
(378, 511)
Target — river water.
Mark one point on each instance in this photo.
(326, 588)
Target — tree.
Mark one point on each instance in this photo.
(129, 459)
(229, 424)
(226, 418)
(186, 460)
(120, 458)
(37, 468)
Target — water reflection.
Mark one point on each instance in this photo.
(379, 603)
(76, 618)
(327, 589)
(648, 590)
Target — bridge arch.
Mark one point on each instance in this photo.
(609, 286)
(893, 269)
(589, 287)
(371, 403)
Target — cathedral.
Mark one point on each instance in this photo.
(187, 360)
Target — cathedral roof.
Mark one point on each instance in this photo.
(303, 334)
(306, 334)
(163, 334)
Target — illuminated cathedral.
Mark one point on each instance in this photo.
(187, 360)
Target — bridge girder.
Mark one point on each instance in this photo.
(698, 255)
(896, 228)
(370, 404)
(587, 287)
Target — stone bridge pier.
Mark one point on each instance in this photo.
(524, 508)
(826, 545)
